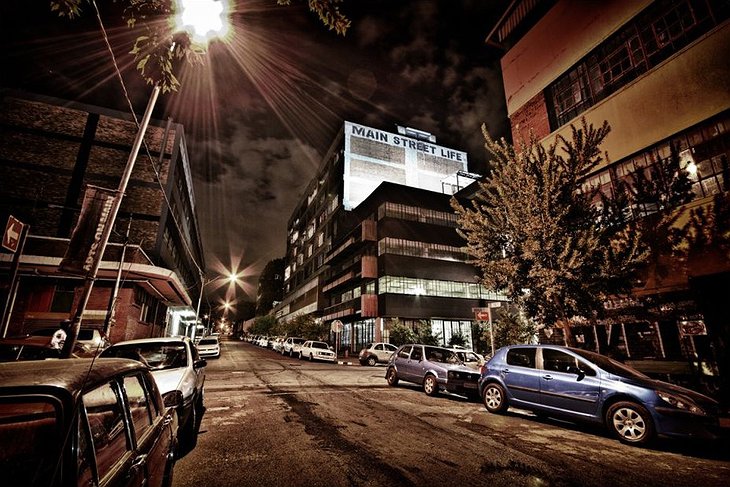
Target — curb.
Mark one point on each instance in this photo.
(342, 362)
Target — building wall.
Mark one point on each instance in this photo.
(681, 97)
(51, 149)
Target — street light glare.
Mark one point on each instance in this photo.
(203, 19)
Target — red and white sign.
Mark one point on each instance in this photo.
(11, 237)
(481, 314)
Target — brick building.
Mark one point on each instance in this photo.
(50, 150)
(658, 72)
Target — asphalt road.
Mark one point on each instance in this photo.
(276, 421)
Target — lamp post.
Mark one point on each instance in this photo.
(194, 9)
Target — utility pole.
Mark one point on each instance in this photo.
(111, 308)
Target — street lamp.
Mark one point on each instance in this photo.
(231, 278)
(116, 202)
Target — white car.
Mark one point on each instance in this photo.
(314, 350)
(292, 345)
(177, 369)
(209, 347)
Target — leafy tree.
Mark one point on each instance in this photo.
(425, 335)
(457, 340)
(535, 235)
(511, 329)
(401, 334)
(264, 325)
(158, 48)
(305, 326)
(271, 286)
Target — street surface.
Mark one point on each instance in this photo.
(273, 421)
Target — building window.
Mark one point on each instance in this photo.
(399, 246)
(431, 287)
(63, 298)
(416, 214)
(652, 36)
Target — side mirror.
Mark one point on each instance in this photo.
(200, 363)
(173, 399)
(575, 370)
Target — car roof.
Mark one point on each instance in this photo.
(154, 340)
(71, 375)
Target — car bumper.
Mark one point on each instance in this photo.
(679, 424)
(209, 354)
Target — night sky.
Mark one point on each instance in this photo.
(266, 105)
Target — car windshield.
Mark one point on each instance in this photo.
(209, 341)
(610, 365)
(320, 345)
(156, 355)
(441, 355)
(32, 427)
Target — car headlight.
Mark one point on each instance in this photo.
(680, 402)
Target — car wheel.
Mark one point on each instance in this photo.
(494, 398)
(392, 377)
(372, 361)
(300, 355)
(630, 423)
(311, 357)
(430, 385)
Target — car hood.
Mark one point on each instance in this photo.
(671, 388)
(456, 367)
(181, 379)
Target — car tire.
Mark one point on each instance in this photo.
(630, 422)
(430, 385)
(392, 377)
(300, 356)
(169, 471)
(372, 361)
(311, 357)
(494, 398)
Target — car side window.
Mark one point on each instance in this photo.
(105, 413)
(85, 457)
(379, 346)
(557, 361)
(417, 353)
(391, 348)
(522, 357)
(405, 352)
(139, 404)
(194, 352)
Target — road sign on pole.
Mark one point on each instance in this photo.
(11, 237)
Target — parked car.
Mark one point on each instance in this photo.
(436, 368)
(314, 350)
(292, 346)
(209, 347)
(580, 385)
(374, 353)
(79, 422)
(176, 366)
(35, 348)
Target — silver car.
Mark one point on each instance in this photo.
(177, 369)
(435, 368)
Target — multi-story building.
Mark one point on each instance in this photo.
(658, 72)
(50, 151)
(374, 239)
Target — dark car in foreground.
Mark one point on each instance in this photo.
(435, 368)
(78, 422)
(576, 384)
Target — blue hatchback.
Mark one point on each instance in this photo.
(576, 384)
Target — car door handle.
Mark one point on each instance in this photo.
(167, 420)
(547, 377)
(505, 371)
(139, 461)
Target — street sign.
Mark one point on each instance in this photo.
(11, 237)
(337, 326)
(481, 314)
